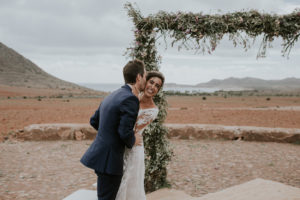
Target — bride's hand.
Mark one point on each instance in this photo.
(140, 95)
(138, 140)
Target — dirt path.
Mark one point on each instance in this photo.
(51, 170)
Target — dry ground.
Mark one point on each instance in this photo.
(236, 111)
(51, 170)
(240, 111)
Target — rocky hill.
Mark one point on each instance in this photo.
(253, 83)
(16, 70)
(247, 83)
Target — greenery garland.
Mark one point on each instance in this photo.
(201, 33)
(204, 32)
(157, 149)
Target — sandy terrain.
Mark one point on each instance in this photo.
(240, 111)
(27, 92)
(51, 170)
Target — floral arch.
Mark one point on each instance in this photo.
(202, 33)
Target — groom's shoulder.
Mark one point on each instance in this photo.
(123, 93)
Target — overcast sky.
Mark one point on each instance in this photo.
(84, 41)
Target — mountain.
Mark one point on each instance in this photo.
(247, 83)
(252, 83)
(16, 70)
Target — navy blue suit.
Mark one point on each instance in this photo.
(114, 119)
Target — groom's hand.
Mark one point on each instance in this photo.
(138, 139)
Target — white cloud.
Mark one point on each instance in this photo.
(84, 40)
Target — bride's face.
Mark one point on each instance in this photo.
(152, 86)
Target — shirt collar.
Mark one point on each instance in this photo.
(130, 86)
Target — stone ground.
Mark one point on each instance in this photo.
(51, 170)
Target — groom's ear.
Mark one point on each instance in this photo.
(138, 78)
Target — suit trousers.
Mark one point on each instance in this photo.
(107, 186)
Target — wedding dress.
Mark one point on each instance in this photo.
(132, 184)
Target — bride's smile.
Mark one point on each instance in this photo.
(152, 86)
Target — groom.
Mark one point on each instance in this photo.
(114, 120)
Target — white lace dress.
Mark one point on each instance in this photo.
(132, 184)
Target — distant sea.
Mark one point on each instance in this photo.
(109, 87)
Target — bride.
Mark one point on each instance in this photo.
(132, 184)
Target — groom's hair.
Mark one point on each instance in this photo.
(132, 69)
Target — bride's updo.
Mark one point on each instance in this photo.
(157, 74)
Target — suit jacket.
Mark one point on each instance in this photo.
(114, 119)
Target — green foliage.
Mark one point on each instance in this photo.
(157, 150)
(201, 33)
(157, 157)
(297, 142)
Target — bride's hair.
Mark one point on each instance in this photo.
(157, 74)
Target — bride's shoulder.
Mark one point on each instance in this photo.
(155, 109)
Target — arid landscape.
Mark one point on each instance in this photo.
(24, 109)
(34, 170)
(51, 169)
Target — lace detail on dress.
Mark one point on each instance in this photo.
(145, 117)
(132, 184)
